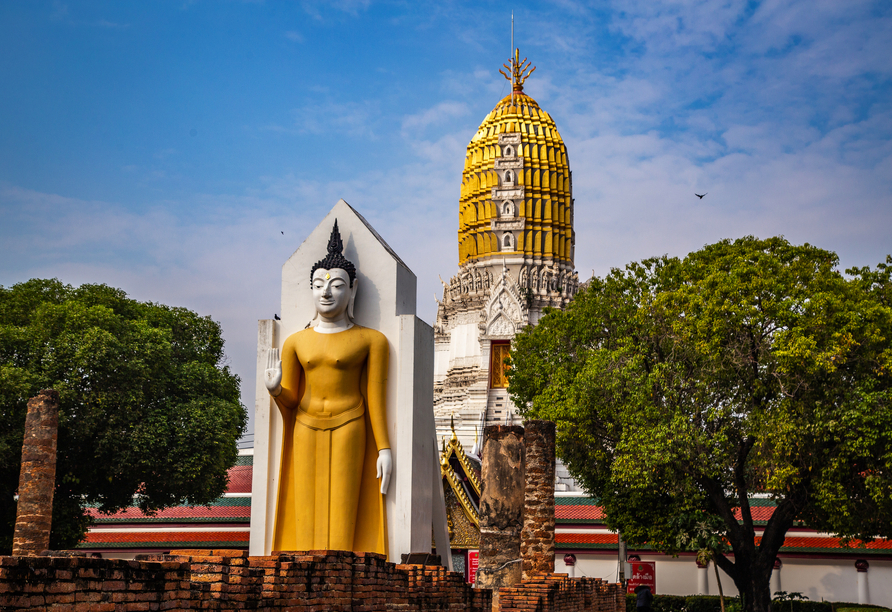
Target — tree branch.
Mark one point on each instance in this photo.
(716, 494)
(725, 565)
(775, 532)
(740, 483)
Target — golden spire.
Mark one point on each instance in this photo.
(519, 70)
(452, 427)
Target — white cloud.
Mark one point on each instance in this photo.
(436, 115)
(353, 118)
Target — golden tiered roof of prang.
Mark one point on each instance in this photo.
(544, 176)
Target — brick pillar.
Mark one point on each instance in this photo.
(501, 508)
(537, 537)
(37, 479)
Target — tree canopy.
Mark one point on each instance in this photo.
(684, 388)
(149, 412)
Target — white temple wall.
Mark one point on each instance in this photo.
(817, 579)
(837, 580)
(464, 343)
(441, 361)
(591, 565)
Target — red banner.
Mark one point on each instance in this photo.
(644, 573)
(473, 563)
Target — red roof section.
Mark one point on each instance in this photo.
(797, 542)
(178, 512)
(585, 509)
(759, 513)
(240, 479)
(225, 509)
(585, 538)
(166, 536)
(577, 512)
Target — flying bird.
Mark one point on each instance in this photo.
(700, 196)
(283, 233)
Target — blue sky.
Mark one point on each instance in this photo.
(164, 147)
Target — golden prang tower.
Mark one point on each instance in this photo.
(516, 195)
(515, 255)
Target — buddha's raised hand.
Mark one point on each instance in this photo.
(273, 379)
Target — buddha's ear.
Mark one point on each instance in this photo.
(352, 299)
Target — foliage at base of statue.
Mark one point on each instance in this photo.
(149, 411)
(689, 392)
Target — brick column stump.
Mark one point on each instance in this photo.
(37, 480)
(537, 537)
(501, 508)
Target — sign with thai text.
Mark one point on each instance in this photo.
(644, 573)
(473, 564)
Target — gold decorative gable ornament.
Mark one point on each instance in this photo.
(453, 448)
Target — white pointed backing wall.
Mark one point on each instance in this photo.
(385, 301)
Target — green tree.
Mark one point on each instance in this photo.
(149, 412)
(681, 388)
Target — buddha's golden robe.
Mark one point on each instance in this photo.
(333, 401)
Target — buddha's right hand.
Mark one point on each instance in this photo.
(273, 379)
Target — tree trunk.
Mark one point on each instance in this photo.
(754, 584)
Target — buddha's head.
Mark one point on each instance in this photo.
(334, 281)
(332, 293)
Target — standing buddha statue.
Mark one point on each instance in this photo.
(330, 386)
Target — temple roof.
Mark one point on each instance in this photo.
(461, 477)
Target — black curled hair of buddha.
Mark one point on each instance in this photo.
(335, 257)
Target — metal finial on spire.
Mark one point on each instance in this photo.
(520, 70)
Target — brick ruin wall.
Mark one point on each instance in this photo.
(37, 478)
(537, 536)
(231, 580)
(558, 593)
(501, 507)
(331, 581)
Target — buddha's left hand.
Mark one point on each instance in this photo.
(385, 466)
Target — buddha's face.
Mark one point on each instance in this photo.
(331, 292)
